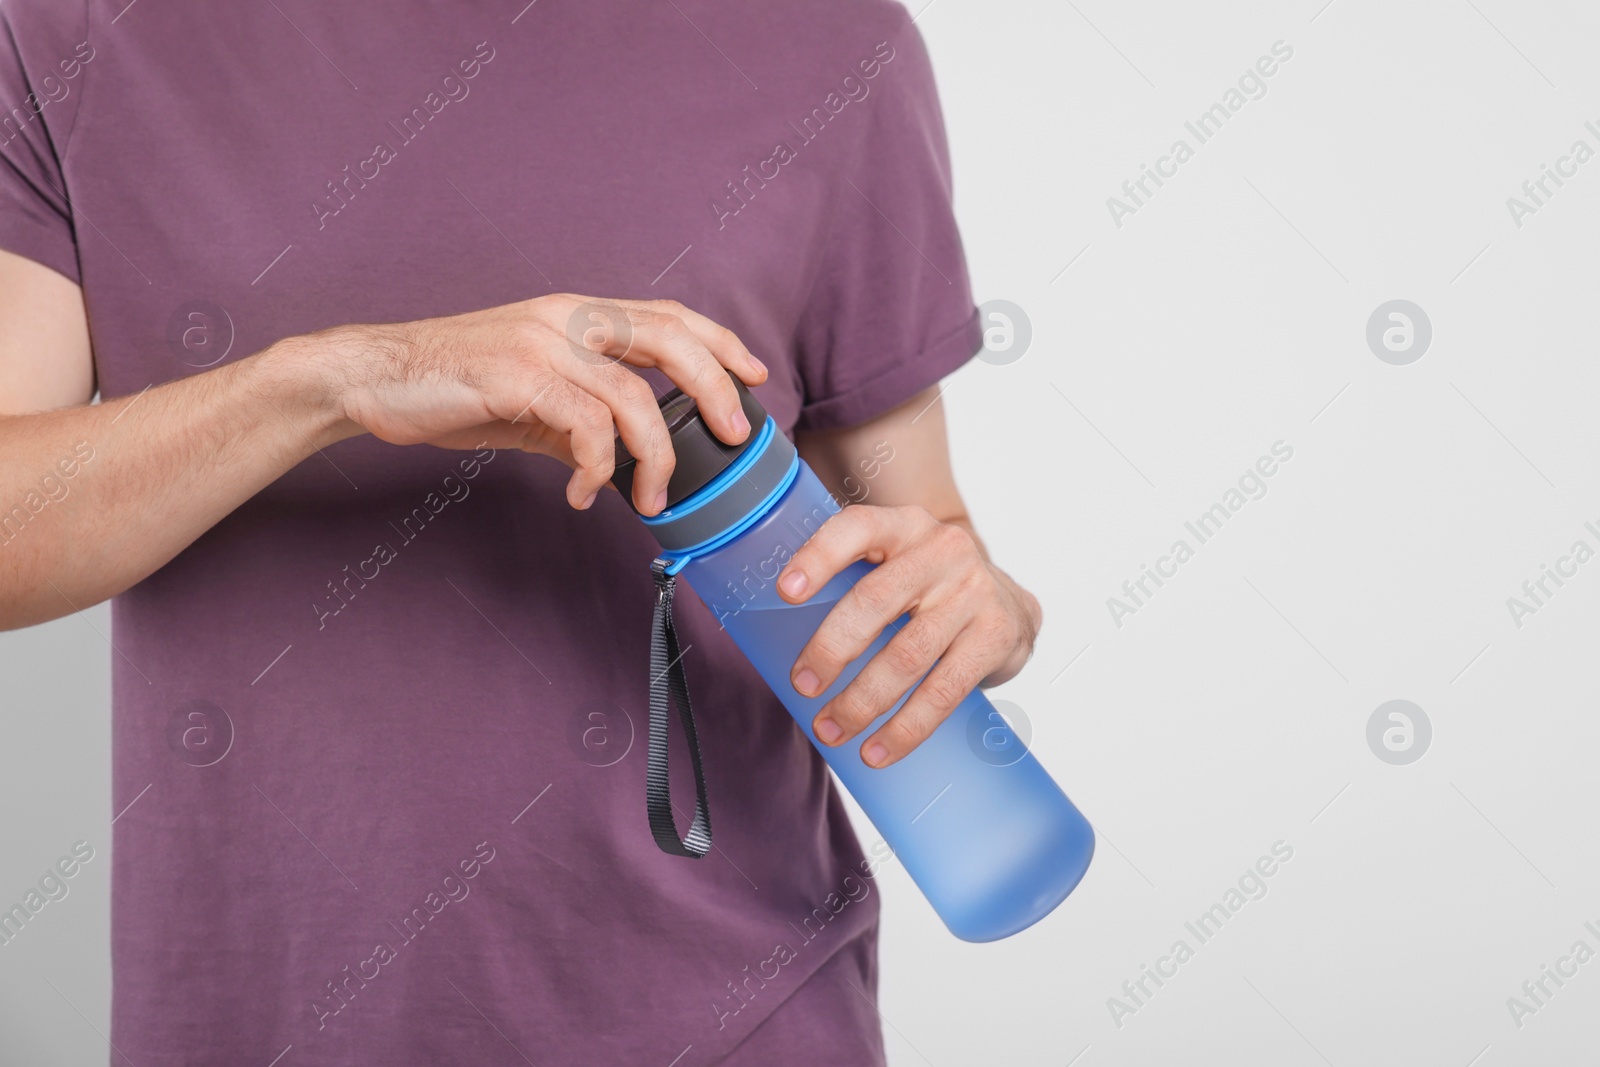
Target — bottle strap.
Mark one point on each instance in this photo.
(668, 686)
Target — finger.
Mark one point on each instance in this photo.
(966, 663)
(869, 607)
(858, 532)
(723, 344)
(664, 341)
(666, 335)
(909, 654)
(587, 424)
(638, 420)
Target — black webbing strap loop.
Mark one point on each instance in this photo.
(667, 686)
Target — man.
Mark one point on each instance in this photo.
(376, 669)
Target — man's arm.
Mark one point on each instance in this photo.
(970, 623)
(93, 499)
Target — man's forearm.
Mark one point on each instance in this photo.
(95, 498)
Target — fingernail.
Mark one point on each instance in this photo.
(793, 583)
(758, 365)
(875, 754)
(806, 682)
(661, 501)
(740, 423)
(588, 502)
(829, 730)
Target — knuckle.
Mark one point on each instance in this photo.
(954, 538)
(658, 444)
(534, 309)
(992, 645)
(534, 379)
(874, 597)
(910, 578)
(908, 654)
(907, 523)
(822, 545)
(975, 585)
(671, 327)
(534, 335)
(633, 390)
(854, 708)
(944, 690)
(594, 416)
(924, 639)
(998, 629)
(854, 521)
(827, 650)
(906, 730)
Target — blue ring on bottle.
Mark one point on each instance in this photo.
(716, 486)
(681, 558)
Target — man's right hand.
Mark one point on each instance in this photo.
(549, 375)
(95, 497)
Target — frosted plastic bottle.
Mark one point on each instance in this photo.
(983, 830)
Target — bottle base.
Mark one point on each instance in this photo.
(996, 924)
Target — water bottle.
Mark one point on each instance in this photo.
(983, 830)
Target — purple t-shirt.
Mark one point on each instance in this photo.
(378, 735)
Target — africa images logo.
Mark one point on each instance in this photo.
(853, 87)
(1252, 85)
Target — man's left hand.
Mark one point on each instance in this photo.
(970, 624)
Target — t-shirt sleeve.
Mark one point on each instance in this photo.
(891, 310)
(35, 216)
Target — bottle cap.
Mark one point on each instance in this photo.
(701, 455)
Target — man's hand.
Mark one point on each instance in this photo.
(549, 375)
(170, 461)
(970, 623)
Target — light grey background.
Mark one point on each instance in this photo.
(1231, 711)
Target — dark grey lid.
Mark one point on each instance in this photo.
(701, 456)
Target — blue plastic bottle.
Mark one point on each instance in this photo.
(980, 826)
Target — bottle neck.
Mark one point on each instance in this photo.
(731, 502)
